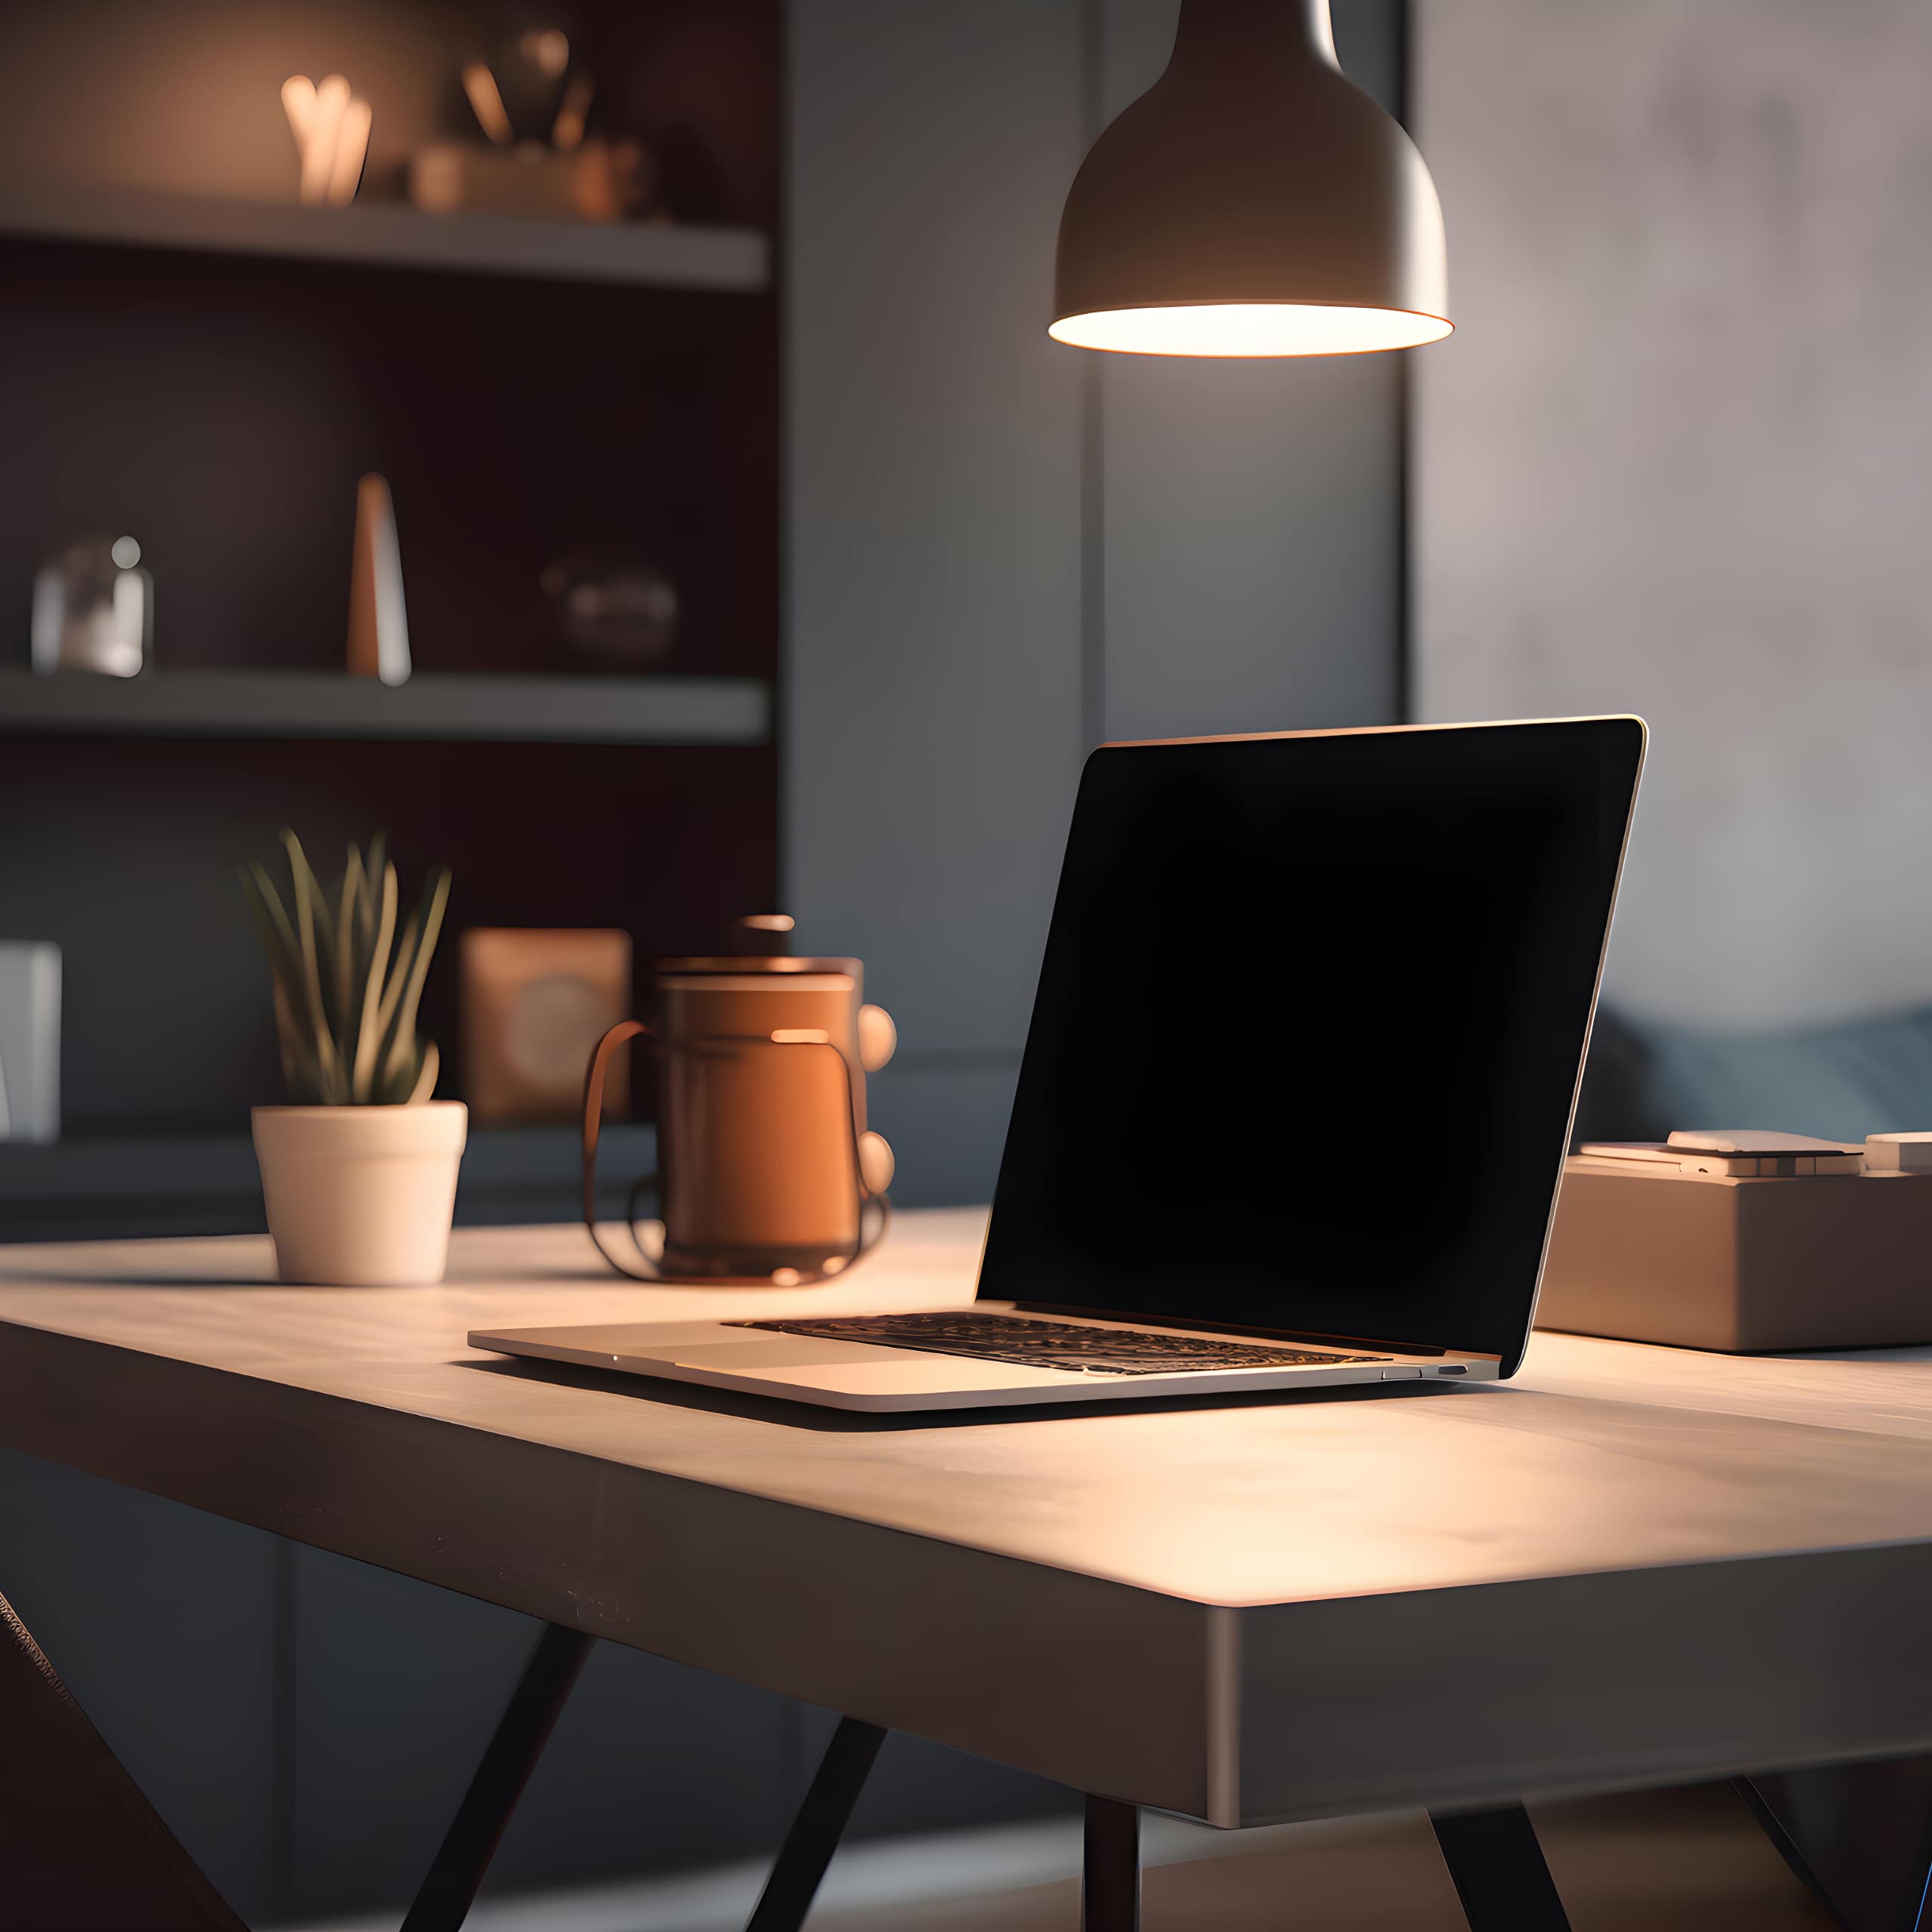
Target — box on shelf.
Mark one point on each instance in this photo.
(599, 182)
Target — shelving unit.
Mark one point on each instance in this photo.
(643, 710)
(190, 357)
(196, 1183)
(669, 255)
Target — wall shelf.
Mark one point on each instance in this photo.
(162, 1183)
(645, 709)
(637, 254)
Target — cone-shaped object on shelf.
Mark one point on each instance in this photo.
(1252, 202)
(378, 623)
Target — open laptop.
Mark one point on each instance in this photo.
(1296, 1093)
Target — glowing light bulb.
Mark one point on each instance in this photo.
(1249, 328)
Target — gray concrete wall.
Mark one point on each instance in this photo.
(1673, 460)
(1002, 551)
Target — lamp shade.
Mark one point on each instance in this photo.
(1252, 202)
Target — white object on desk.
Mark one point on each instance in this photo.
(1900, 1153)
(361, 1196)
(1734, 1153)
(30, 1040)
(1755, 1141)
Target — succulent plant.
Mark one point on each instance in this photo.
(346, 987)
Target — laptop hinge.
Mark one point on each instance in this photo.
(1194, 1324)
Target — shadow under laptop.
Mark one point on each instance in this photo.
(863, 1422)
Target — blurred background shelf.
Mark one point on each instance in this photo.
(645, 709)
(173, 1183)
(637, 254)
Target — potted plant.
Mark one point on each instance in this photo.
(359, 1173)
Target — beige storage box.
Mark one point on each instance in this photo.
(1704, 1261)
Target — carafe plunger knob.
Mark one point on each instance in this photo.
(878, 1037)
(877, 1162)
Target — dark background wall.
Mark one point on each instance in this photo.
(220, 408)
(130, 863)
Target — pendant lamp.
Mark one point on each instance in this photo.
(1252, 202)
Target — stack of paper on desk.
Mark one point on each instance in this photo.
(1734, 1151)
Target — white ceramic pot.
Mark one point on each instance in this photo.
(361, 1197)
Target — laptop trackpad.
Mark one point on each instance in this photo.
(767, 1352)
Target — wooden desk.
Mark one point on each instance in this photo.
(1629, 1566)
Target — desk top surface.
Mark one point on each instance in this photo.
(1599, 1456)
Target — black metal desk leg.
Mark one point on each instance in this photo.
(796, 1878)
(1110, 1874)
(447, 1893)
(1498, 1870)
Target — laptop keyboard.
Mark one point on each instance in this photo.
(1073, 1347)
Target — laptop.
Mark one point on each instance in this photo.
(1296, 1093)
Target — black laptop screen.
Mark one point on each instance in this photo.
(1309, 1029)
